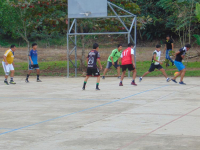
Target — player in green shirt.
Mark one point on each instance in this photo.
(113, 59)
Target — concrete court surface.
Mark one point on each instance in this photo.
(57, 115)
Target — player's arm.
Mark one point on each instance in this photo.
(99, 62)
(172, 46)
(4, 57)
(133, 59)
(118, 60)
(30, 60)
(111, 56)
(112, 60)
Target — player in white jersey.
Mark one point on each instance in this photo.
(156, 64)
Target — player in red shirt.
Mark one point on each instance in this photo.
(128, 62)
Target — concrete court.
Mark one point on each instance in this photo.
(57, 115)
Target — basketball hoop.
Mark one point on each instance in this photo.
(86, 14)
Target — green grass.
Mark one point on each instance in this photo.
(59, 68)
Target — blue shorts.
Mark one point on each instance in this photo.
(109, 64)
(179, 65)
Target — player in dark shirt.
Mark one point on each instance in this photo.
(169, 46)
(180, 55)
(93, 58)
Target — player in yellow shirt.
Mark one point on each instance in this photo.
(8, 64)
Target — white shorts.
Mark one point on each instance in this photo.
(7, 68)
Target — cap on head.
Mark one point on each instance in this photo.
(34, 44)
(130, 44)
(158, 46)
(12, 46)
(95, 46)
(188, 45)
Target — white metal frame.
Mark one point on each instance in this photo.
(74, 24)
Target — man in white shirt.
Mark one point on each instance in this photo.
(156, 64)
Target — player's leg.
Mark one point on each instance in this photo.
(38, 75)
(169, 54)
(89, 73)
(98, 81)
(118, 72)
(85, 82)
(117, 66)
(167, 58)
(164, 73)
(182, 76)
(124, 67)
(29, 73)
(181, 69)
(36, 67)
(109, 64)
(122, 78)
(12, 72)
(151, 69)
(6, 70)
(134, 76)
(96, 73)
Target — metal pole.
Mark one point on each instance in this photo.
(68, 48)
(121, 9)
(135, 39)
(98, 33)
(124, 16)
(128, 43)
(75, 48)
(118, 17)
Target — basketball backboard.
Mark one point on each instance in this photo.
(87, 8)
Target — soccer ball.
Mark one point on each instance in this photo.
(176, 73)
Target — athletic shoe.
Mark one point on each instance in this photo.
(103, 77)
(26, 80)
(174, 80)
(182, 83)
(12, 82)
(120, 84)
(83, 88)
(133, 83)
(38, 80)
(140, 79)
(97, 89)
(119, 77)
(172, 64)
(6, 82)
(168, 80)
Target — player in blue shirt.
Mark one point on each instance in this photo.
(180, 55)
(33, 57)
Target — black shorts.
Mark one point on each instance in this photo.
(31, 67)
(129, 67)
(93, 71)
(153, 67)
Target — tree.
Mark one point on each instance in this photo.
(182, 14)
(32, 17)
(198, 16)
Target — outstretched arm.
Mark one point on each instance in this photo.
(133, 59)
(99, 62)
